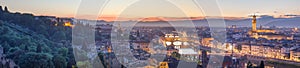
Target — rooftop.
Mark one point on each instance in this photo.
(187, 51)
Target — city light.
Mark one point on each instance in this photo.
(177, 43)
(169, 43)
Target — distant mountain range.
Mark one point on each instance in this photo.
(267, 21)
(201, 21)
(262, 21)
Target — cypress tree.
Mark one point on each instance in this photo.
(249, 64)
(39, 49)
(1, 9)
(262, 65)
(5, 9)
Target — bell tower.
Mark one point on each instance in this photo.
(254, 23)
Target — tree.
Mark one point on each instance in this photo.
(6, 9)
(176, 55)
(26, 48)
(30, 42)
(63, 51)
(39, 49)
(249, 64)
(262, 65)
(101, 57)
(1, 9)
(122, 66)
(11, 50)
(6, 47)
(35, 60)
(58, 36)
(59, 61)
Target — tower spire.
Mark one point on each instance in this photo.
(254, 22)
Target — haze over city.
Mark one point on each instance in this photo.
(113, 8)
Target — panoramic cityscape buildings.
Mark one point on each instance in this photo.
(243, 45)
(150, 34)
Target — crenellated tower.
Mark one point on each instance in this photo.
(254, 23)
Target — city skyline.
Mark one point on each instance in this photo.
(114, 8)
(149, 34)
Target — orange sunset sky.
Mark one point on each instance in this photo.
(126, 9)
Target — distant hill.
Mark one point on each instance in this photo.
(246, 22)
(268, 21)
(293, 22)
(263, 21)
(35, 41)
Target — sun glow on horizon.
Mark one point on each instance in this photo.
(114, 9)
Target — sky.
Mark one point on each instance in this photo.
(151, 8)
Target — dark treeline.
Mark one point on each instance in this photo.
(36, 41)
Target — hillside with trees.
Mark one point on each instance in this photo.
(36, 41)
